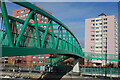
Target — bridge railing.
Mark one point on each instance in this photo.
(100, 71)
(101, 56)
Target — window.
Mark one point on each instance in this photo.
(23, 11)
(92, 35)
(26, 14)
(92, 39)
(105, 51)
(33, 57)
(100, 27)
(92, 50)
(98, 43)
(96, 47)
(105, 34)
(40, 57)
(92, 20)
(23, 15)
(96, 23)
(105, 43)
(27, 9)
(100, 19)
(105, 22)
(40, 61)
(105, 18)
(100, 24)
(33, 61)
(97, 35)
(104, 30)
(104, 39)
(105, 46)
(92, 27)
(97, 20)
(92, 24)
(97, 31)
(92, 47)
(42, 16)
(98, 51)
(45, 17)
(97, 27)
(97, 39)
(46, 57)
(105, 26)
(18, 11)
(17, 16)
(92, 31)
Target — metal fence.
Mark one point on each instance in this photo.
(100, 71)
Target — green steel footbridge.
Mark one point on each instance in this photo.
(21, 37)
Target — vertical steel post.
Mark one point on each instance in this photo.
(74, 45)
(6, 23)
(16, 28)
(52, 35)
(45, 34)
(62, 38)
(57, 37)
(71, 43)
(65, 41)
(68, 40)
(36, 30)
(24, 27)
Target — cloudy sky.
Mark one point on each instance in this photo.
(73, 14)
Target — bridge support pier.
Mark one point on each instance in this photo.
(76, 68)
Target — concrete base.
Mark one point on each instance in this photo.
(76, 68)
(75, 73)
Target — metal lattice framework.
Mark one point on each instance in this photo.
(33, 39)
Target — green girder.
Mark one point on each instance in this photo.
(57, 38)
(6, 22)
(45, 34)
(36, 30)
(24, 27)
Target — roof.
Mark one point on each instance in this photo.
(102, 14)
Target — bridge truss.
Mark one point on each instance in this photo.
(33, 39)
